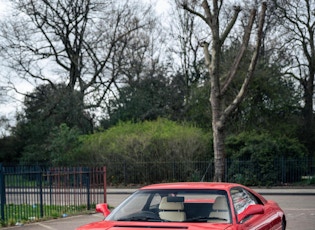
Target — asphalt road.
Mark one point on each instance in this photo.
(299, 209)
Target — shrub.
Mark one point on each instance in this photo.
(157, 141)
(259, 159)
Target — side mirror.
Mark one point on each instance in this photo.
(103, 208)
(253, 209)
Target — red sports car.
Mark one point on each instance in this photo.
(194, 206)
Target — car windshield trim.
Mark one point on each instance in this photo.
(183, 205)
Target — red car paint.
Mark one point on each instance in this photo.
(248, 210)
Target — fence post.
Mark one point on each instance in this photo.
(88, 188)
(50, 181)
(2, 192)
(125, 173)
(174, 166)
(40, 173)
(283, 170)
(225, 169)
(104, 183)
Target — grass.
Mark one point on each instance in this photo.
(24, 213)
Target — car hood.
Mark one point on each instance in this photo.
(107, 225)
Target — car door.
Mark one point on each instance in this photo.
(241, 199)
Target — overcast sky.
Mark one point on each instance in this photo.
(5, 109)
(3, 7)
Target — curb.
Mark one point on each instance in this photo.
(286, 192)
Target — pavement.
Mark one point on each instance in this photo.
(286, 191)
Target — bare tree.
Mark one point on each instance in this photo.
(71, 41)
(296, 28)
(220, 80)
(184, 30)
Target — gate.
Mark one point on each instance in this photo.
(35, 192)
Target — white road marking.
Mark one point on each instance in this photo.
(47, 227)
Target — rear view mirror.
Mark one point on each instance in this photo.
(103, 208)
(175, 199)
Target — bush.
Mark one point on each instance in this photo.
(261, 159)
(157, 141)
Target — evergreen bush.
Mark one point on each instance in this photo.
(262, 159)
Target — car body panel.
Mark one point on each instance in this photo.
(241, 200)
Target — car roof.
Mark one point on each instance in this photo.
(192, 185)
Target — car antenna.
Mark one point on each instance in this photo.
(203, 177)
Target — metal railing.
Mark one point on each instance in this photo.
(37, 192)
(265, 173)
(34, 192)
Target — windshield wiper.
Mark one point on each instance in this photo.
(203, 219)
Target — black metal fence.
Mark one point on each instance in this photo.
(263, 173)
(29, 193)
(34, 192)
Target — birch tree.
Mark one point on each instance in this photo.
(212, 16)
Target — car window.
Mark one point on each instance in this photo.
(136, 204)
(242, 199)
(178, 205)
(155, 201)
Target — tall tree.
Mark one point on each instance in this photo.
(297, 30)
(3, 119)
(45, 109)
(220, 80)
(148, 98)
(271, 104)
(70, 41)
(189, 65)
(185, 48)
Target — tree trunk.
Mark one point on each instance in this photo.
(308, 116)
(219, 153)
(220, 112)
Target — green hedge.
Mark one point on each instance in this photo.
(150, 141)
(150, 149)
(255, 159)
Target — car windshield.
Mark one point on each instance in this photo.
(178, 205)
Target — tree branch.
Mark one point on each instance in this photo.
(241, 52)
(228, 29)
(186, 7)
(251, 67)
